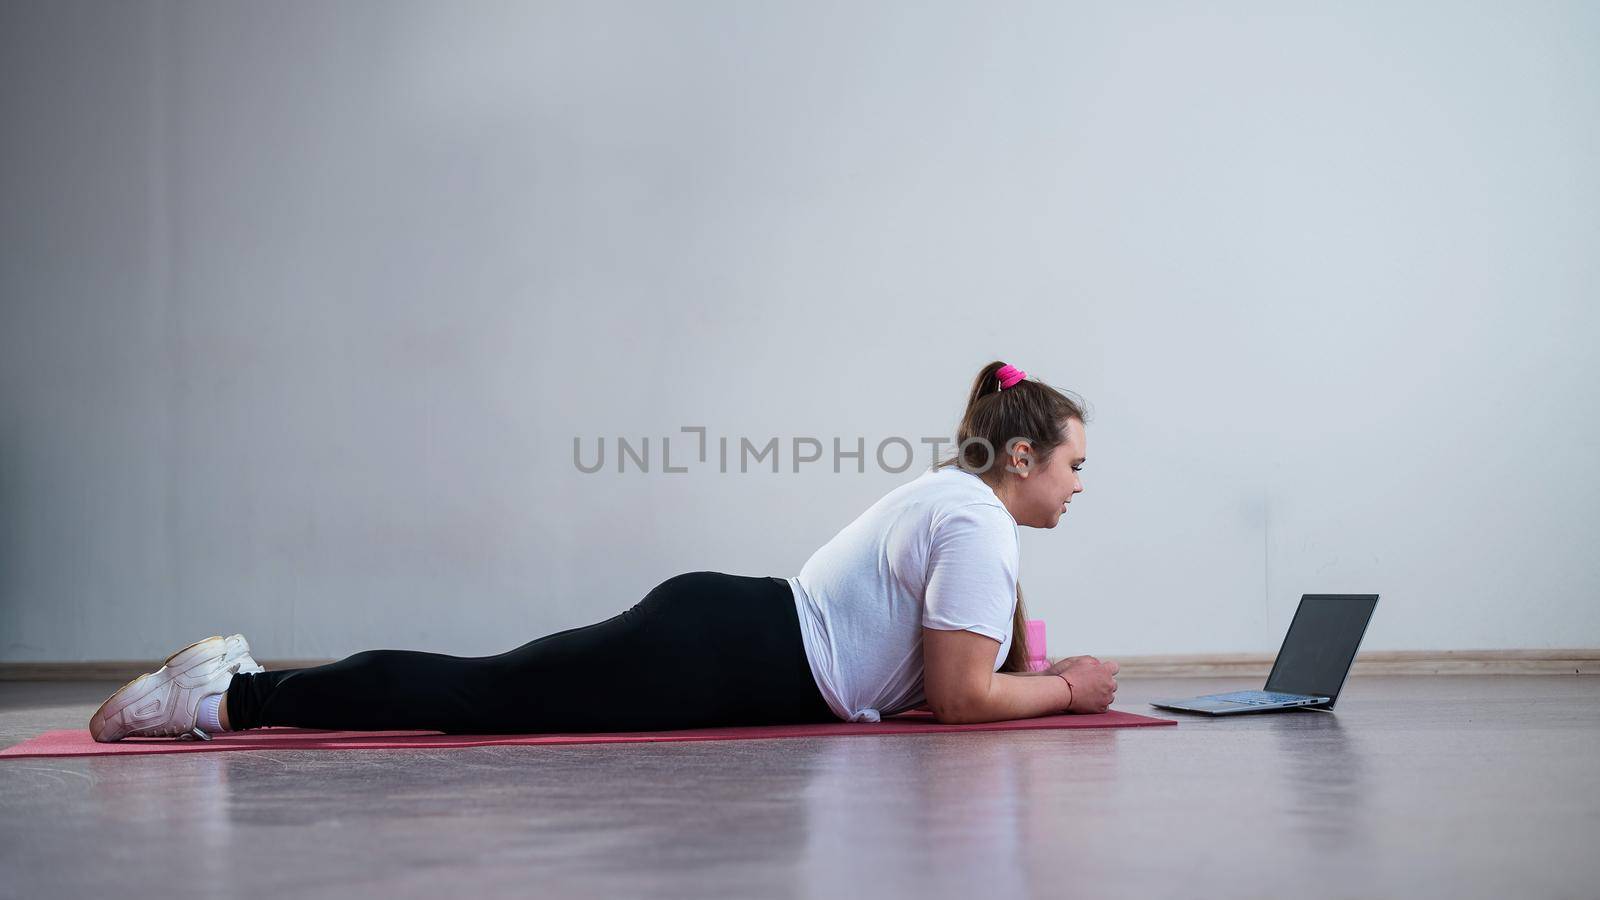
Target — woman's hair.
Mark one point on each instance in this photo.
(1030, 410)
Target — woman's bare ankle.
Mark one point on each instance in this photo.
(222, 712)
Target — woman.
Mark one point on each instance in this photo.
(914, 602)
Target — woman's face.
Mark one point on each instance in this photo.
(1040, 498)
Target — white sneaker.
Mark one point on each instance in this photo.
(236, 650)
(239, 652)
(165, 703)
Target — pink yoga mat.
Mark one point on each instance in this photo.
(76, 742)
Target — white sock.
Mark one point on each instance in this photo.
(208, 721)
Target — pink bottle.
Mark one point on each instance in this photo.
(1037, 661)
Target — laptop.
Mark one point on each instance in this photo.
(1312, 663)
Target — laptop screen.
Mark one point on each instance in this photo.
(1321, 643)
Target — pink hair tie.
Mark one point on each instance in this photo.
(1009, 375)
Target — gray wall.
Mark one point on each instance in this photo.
(304, 304)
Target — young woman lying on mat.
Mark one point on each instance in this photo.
(914, 602)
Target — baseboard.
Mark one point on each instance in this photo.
(1200, 665)
(1375, 662)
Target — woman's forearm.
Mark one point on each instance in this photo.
(1016, 696)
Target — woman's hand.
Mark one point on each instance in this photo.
(1094, 683)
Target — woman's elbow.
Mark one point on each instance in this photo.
(965, 711)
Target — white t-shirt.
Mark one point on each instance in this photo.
(940, 551)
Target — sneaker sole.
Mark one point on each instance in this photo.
(141, 687)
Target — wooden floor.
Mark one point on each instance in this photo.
(1417, 786)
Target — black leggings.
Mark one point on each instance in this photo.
(702, 649)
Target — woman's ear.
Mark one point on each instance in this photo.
(1019, 456)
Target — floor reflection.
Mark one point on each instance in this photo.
(1325, 780)
(952, 814)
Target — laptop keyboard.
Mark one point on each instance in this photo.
(1257, 698)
